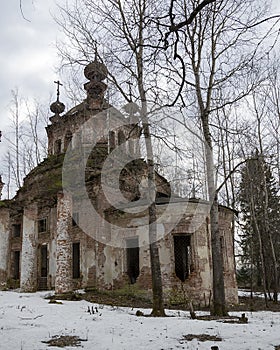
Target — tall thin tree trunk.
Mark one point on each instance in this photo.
(158, 308)
(264, 278)
(266, 219)
(219, 303)
(267, 229)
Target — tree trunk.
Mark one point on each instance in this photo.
(219, 303)
(267, 229)
(255, 223)
(158, 309)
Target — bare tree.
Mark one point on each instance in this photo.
(15, 124)
(25, 141)
(217, 70)
(121, 30)
(264, 109)
(260, 207)
(129, 34)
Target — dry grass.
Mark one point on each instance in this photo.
(64, 340)
(201, 337)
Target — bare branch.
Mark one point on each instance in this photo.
(21, 10)
(262, 21)
(176, 27)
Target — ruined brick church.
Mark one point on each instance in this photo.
(60, 232)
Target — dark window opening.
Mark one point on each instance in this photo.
(16, 270)
(75, 219)
(57, 147)
(42, 225)
(44, 260)
(161, 195)
(112, 142)
(76, 260)
(132, 252)
(182, 253)
(121, 137)
(16, 230)
(67, 139)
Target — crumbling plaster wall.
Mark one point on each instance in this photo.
(192, 219)
(52, 246)
(88, 262)
(28, 280)
(60, 127)
(72, 121)
(48, 238)
(4, 244)
(194, 223)
(63, 277)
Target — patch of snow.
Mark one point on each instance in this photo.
(27, 319)
(247, 293)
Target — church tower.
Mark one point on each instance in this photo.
(62, 127)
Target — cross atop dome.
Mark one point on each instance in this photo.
(57, 91)
(57, 107)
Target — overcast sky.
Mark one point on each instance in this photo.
(28, 55)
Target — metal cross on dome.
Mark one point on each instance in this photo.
(58, 85)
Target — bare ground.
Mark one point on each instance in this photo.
(137, 300)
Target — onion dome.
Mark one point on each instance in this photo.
(95, 72)
(57, 107)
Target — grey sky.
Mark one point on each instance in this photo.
(28, 55)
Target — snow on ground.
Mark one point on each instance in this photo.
(27, 319)
(247, 293)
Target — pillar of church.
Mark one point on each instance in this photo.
(63, 278)
(4, 245)
(28, 276)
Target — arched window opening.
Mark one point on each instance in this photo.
(182, 254)
(132, 254)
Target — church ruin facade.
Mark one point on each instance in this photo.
(63, 230)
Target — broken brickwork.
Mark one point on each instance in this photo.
(63, 277)
(4, 245)
(28, 278)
